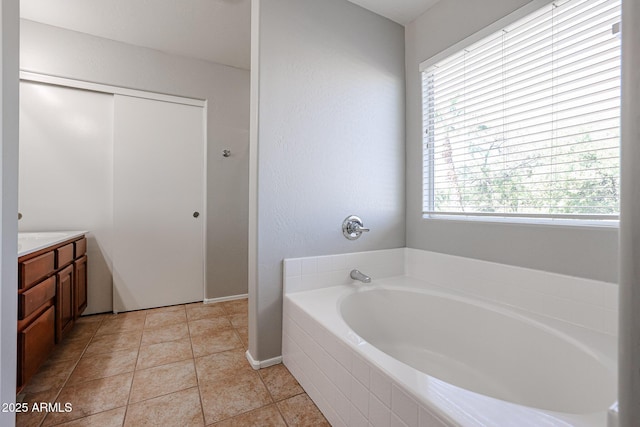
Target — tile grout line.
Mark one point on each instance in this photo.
(237, 334)
(250, 410)
(227, 314)
(126, 408)
(275, 403)
(75, 365)
(204, 420)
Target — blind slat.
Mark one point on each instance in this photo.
(543, 190)
(539, 120)
(580, 86)
(535, 53)
(551, 177)
(464, 156)
(540, 70)
(528, 34)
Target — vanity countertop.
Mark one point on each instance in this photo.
(29, 242)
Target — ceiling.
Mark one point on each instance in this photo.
(400, 11)
(180, 27)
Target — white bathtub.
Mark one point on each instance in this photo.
(403, 352)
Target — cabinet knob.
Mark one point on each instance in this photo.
(196, 214)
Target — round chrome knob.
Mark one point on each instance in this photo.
(352, 227)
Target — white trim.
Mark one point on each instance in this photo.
(205, 199)
(221, 299)
(260, 364)
(254, 121)
(486, 31)
(99, 87)
(527, 220)
(613, 416)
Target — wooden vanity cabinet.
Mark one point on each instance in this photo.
(52, 294)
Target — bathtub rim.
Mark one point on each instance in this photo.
(427, 390)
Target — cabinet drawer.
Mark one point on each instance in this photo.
(81, 247)
(31, 271)
(35, 343)
(30, 300)
(64, 255)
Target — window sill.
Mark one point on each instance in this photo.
(552, 222)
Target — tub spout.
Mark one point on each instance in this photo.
(357, 275)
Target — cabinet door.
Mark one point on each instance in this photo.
(81, 285)
(65, 311)
(35, 343)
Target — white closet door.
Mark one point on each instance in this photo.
(158, 250)
(66, 173)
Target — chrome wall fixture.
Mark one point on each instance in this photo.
(352, 227)
(358, 275)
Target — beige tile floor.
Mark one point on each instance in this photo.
(173, 366)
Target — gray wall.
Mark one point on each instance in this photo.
(578, 251)
(9, 38)
(629, 336)
(328, 134)
(51, 50)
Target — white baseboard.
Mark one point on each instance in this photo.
(220, 299)
(613, 417)
(259, 364)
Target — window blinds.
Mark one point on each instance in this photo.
(525, 122)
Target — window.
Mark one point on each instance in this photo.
(525, 122)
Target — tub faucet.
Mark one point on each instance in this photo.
(357, 275)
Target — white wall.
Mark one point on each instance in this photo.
(577, 251)
(9, 39)
(66, 173)
(55, 51)
(328, 135)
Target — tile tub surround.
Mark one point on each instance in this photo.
(347, 389)
(305, 274)
(589, 304)
(353, 391)
(179, 365)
